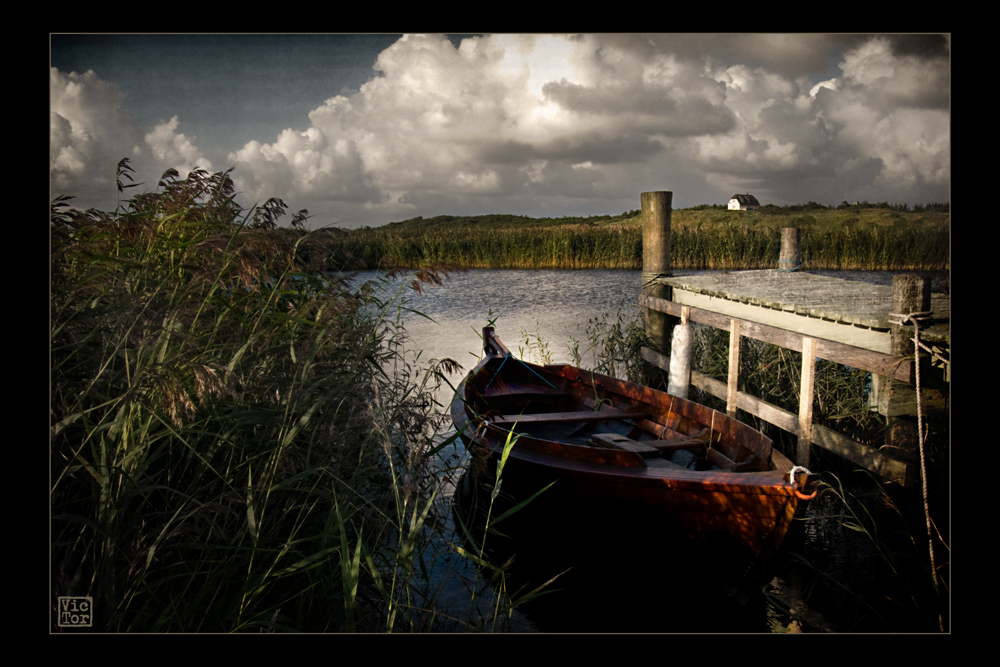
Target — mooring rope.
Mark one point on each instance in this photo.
(796, 265)
(916, 319)
(650, 277)
(795, 486)
(511, 356)
(536, 373)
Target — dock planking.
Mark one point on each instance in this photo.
(831, 300)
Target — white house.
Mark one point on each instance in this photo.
(745, 202)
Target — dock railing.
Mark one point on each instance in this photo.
(893, 373)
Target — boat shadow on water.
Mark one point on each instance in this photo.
(617, 567)
(662, 515)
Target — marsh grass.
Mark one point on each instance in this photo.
(878, 578)
(862, 560)
(887, 586)
(613, 344)
(835, 238)
(238, 442)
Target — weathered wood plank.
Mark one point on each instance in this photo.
(847, 301)
(898, 368)
(864, 455)
(734, 367)
(783, 419)
(616, 441)
(870, 458)
(573, 416)
(806, 387)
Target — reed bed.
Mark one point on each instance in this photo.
(889, 587)
(887, 584)
(238, 444)
(700, 239)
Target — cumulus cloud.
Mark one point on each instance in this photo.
(495, 117)
(172, 148)
(90, 132)
(879, 131)
(575, 124)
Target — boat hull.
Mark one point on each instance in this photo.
(603, 441)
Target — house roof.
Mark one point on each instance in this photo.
(746, 200)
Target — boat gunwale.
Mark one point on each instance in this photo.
(760, 482)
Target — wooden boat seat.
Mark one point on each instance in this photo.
(527, 391)
(574, 416)
(618, 441)
(656, 449)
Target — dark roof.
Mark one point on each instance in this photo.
(746, 200)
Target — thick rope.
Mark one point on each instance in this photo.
(916, 318)
(795, 486)
(651, 277)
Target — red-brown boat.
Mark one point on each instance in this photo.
(716, 480)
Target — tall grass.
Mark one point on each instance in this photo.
(889, 585)
(701, 239)
(237, 442)
(886, 583)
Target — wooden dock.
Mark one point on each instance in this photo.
(854, 323)
(845, 311)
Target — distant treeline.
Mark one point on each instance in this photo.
(859, 237)
(930, 207)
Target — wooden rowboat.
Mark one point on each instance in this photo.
(714, 479)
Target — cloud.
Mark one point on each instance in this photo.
(474, 122)
(516, 123)
(174, 149)
(880, 130)
(90, 132)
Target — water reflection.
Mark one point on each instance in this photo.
(628, 579)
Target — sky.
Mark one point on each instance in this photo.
(366, 129)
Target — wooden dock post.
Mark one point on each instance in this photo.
(681, 345)
(791, 250)
(656, 263)
(897, 400)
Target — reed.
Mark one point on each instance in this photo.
(856, 238)
(888, 587)
(238, 443)
(613, 345)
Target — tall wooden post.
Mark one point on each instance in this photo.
(897, 400)
(656, 263)
(791, 250)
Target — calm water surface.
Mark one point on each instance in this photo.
(622, 584)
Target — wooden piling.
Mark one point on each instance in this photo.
(733, 379)
(897, 400)
(790, 258)
(656, 209)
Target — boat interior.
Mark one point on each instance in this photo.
(547, 405)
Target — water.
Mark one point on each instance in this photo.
(619, 581)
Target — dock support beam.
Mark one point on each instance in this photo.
(656, 208)
(806, 389)
(680, 356)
